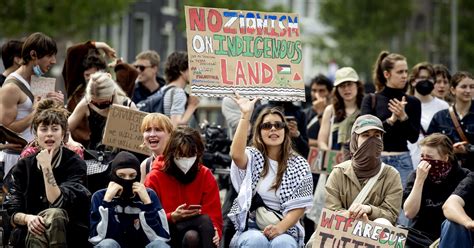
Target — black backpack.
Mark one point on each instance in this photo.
(155, 102)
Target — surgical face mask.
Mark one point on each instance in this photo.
(37, 70)
(184, 164)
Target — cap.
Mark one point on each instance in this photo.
(345, 74)
(367, 122)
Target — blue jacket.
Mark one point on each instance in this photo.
(442, 123)
(131, 224)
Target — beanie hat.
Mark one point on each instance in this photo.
(125, 160)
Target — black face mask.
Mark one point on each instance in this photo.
(424, 87)
(102, 105)
(127, 192)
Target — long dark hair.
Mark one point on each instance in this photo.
(286, 150)
(340, 107)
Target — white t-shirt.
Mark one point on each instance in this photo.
(428, 110)
(269, 196)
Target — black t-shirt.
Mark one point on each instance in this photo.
(430, 215)
(465, 190)
(2, 79)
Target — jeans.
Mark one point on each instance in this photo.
(402, 163)
(455, 235)
(255, 238)
(404, 166)
(110, 243)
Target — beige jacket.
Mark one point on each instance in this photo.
(385, 198)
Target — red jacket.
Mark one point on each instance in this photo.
(172, 193)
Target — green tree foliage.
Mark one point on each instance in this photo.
(57, 17)
(363, 28)
(226, 4)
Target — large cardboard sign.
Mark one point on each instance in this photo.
(122, 129)
(338, 231)
(321, 161)
(41, 86)
(254, 53)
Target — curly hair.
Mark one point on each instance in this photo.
(49, 112)
(286, 147)
(176, 63)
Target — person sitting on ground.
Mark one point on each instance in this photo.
(188, 191)
(272, 169)
(156, 129)
(458, 228)
(434, 180)
(49, 202)
(126, 213)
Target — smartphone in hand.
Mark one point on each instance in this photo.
(289, 118)
(193, 207)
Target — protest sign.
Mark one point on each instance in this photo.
(257, 54)
(122, 129)
(41, 86)
(338, 231)
(321, 161)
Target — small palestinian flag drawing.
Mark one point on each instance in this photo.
(283, 69)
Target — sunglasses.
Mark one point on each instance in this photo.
(278, 125)
(142, 67)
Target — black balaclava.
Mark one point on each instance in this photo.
(125, 160)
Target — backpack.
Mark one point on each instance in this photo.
(155, 102)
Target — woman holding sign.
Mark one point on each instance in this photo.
(274, 183)
(101, 92)
(365, 187)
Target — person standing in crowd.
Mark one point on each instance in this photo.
(83, 60)
(274, 172)
(148, 82)
(101, 92)
(49, 202)
(442, 87)
(321, 88)
(339, 117)
(457, 122)
(11, 58)
(177, 105)
(428, 187)
(458, 228)
(193, 207)
(422, 82)
(126, 213)
(16, 99)
(156, 129)
(400, 113)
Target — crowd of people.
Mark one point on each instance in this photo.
(407, 151)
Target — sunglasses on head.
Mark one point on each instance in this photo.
(142, 67)
(277, 125)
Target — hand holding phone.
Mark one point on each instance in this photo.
(193, 207)
(289, 118)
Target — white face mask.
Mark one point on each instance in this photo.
(184, 164)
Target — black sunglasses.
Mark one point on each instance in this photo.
(277, 125)
(142, 67)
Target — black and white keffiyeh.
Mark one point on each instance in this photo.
(296, 190)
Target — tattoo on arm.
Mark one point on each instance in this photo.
(50, 178)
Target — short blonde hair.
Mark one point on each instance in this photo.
(101, 85)
(161, 121)
(441, 142)
(151, 56)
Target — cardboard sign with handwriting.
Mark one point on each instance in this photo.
(41, 86)
(336, 230)
(122, 129)
(321, 161)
